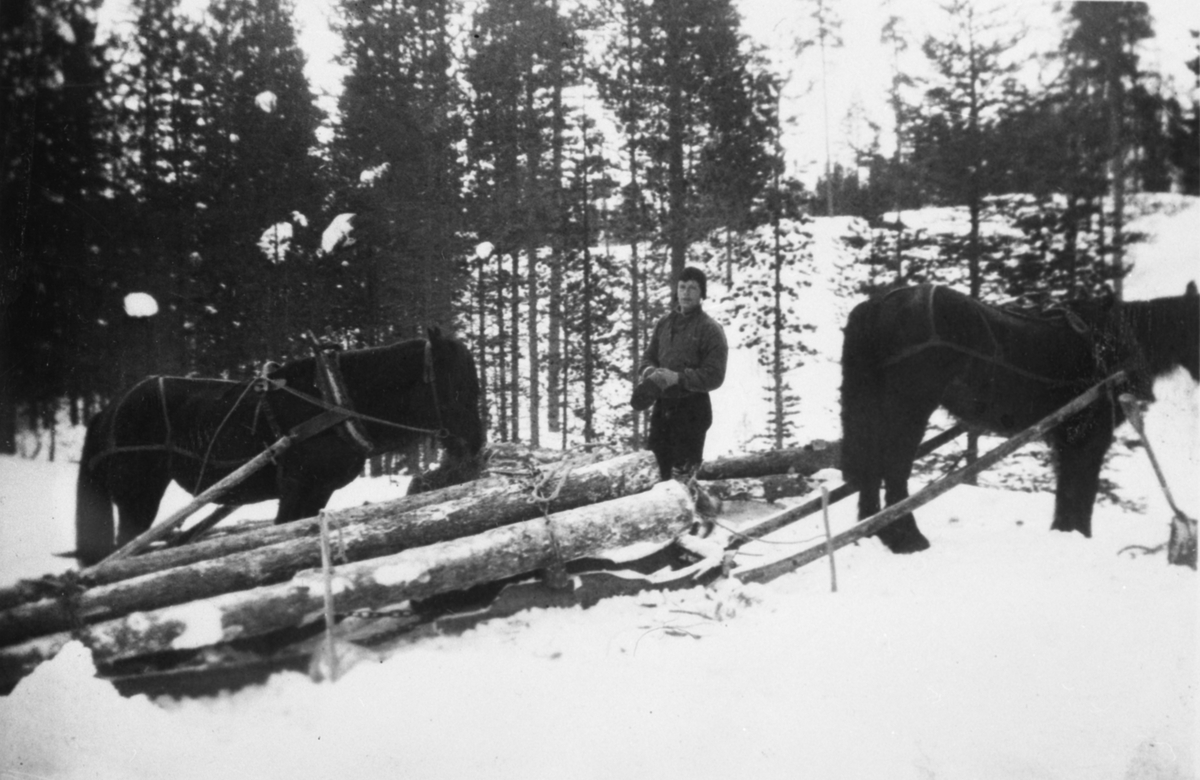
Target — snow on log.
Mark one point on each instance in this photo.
(489, 505)
(808, 459)
(659, 516)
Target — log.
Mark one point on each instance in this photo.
(596, 482)
(655, 517)
(872, 524)
(228, 541)
(499, 503)
(805, 460)
(769, 488)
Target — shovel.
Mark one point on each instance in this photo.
(1181, 548)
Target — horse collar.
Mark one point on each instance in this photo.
(333, 390)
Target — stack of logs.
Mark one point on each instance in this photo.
(532, 510)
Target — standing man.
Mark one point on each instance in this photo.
(683, 362)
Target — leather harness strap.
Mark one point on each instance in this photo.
(996, 357)
(335, 401)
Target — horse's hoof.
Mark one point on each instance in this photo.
(907, 545)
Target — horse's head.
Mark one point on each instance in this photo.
(1151, 338)
(458, 394)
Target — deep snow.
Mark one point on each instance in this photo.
(1005, 651)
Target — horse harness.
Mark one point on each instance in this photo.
(996, 356)
(335, 400)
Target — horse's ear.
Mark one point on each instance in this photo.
(1191, 290)
(434, 333)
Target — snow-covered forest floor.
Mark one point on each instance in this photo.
(1005, 651)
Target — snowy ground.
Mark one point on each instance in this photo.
(1005, 651)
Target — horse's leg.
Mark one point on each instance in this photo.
(1079, 466)
(305, 486)
(907, 425)
(144, 478)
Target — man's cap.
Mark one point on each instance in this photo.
(694, 274)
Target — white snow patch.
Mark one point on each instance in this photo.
(140, 304)
(338, 234)
(266, 101)
(369, 176)
(275, 242)
(202, 623)
(402, 572)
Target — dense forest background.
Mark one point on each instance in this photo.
(529, 174)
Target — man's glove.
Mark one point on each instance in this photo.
(664, 378)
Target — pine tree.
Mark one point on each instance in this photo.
(517, 68)
(686, 67)
(401, 119)
(1104, 42)
(955, 143)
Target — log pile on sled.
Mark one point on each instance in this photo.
(236, 592)
(536, 529)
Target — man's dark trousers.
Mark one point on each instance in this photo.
(678, 427)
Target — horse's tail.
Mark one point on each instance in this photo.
(93, 501)
(862, 385)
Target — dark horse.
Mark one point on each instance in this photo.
(197, 431)
(917, 348)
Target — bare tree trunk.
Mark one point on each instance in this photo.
(535, 360)
(589, 363)
(777, 343)
(481, 341)
(635, 332)
(501, 350)
(514, 345)
(1116, 156)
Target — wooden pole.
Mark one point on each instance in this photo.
(828, 537)
(894, 512)
(327, 577)
(774, 522)
(199, 502)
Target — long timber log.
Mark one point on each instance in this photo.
(894, 512)
(656, 516)
(110, 571)
(769, 488)
(805, 460)
(358, 534)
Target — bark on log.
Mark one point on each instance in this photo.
(490, 505)
(657, 516)
(768, 488)
(805, 460)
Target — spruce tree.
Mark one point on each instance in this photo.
(51, 74)
(402, 119)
